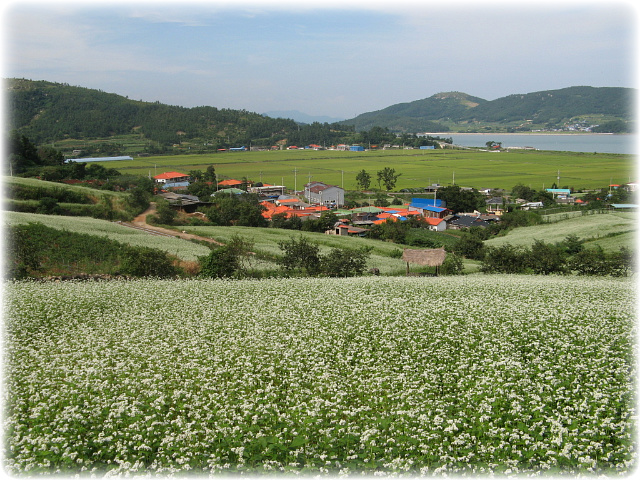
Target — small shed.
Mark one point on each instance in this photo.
(431, 257)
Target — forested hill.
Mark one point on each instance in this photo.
(46, 112)
(548, 110)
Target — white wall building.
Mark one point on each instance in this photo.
(323, 194)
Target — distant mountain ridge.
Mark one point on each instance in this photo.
(456, 110)
(301, 117)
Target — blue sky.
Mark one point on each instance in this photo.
(335, 58)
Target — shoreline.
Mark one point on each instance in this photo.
(524, 133)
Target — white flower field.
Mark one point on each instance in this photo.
(377, 375)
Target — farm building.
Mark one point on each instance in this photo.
(356, 148)
(268, 190)
(96, 159)
(432, 257)
(171, 177)
(318, 192)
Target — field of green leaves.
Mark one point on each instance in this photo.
(417, 168)
(386, 376)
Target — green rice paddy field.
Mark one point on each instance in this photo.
(417, 168)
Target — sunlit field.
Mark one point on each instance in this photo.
(611, 231)
(182, 249)
(294, 168)
(386, 376)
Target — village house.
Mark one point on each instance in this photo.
(323, 194)
(171, 177)
(429, 207)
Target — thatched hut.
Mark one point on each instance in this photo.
(432, 257)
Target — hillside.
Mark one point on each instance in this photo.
(547, 110)
(51, 112)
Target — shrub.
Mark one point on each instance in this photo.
(545, 258)
(222, 262)
(146, 262)
(300, 254)
(469, 246)
(452, 265)
(505, 259)
(345, 262)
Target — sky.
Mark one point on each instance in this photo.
(332, 58)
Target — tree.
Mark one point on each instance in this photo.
(230, 260)
(300, 254)
(459, 200)
(505, 259)
(222, 262)
(388, 177)
(546, 258)
(210, 174)
(452, 265)
(363, 180)
(469, 246)
(523, 192)
(345, 262)
(165, 215)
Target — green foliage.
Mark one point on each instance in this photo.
(614, 126)
(595, 261)
(546, 258)
(523, 192)
(469, 246)
(505, 259)
(459, 200)
(48, 206)
(231, 209)
(363, 180)
(304, 256)
(452, 265)
(325, 222)
(345, 262)
(388, 177)
(35, 250)
(23, 253)
(222, 262)
(165, 215)
(520, 218)
(300, 254)
(422, 237)
(280, 220)
(146, 262)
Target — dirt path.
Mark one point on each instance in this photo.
(141, 221)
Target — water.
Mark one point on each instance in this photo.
(590, 143)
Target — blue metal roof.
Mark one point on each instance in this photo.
(427, 202)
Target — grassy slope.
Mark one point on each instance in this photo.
(89, 192)
(418, 168)
(181, 248)
(593, 228)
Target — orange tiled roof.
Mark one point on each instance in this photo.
(168, 175)
(229, 182)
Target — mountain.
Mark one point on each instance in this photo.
(301, 117)
(456, 111)
(46, 111)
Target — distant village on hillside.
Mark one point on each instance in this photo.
(318, 197)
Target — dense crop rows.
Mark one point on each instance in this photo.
(381, 375)
(114, 231)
